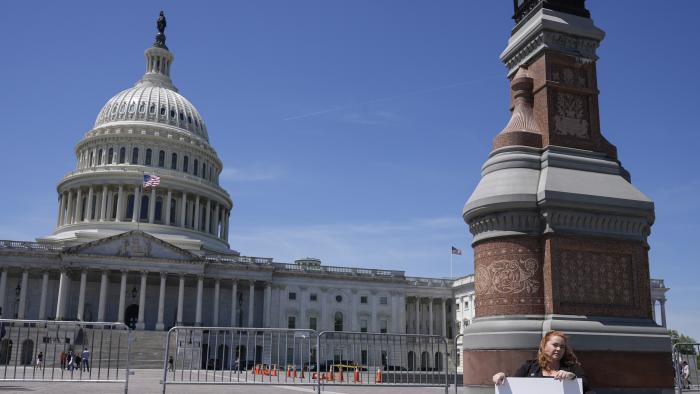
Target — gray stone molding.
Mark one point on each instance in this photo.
(558, 31)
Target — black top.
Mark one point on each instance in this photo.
(532, 369)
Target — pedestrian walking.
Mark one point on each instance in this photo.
(40, 360)
(86, 360)
(171, 364)
(63, 358)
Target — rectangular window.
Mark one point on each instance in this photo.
(312, 322)
(363, 325)
(363, 356)
(383, 300)
(291, 322)
(383, 326)
(363, 299)
(313, 297)
(292, 295)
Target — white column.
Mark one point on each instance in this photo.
(373, 324)
(234, 303)
(23, 295)
(217, 291)
(61, 209)
(403, 312)
(353, 314)
(81, 295)
(663, 312)
(120, 209)
(183, 210)
(168, 207)
(216, 220)
(226, 219)
(180, 299)
(122, 297)
(251, 303)
(161, 302)
(103, 296)
(430, 313)
(103, 204)
(266, 301)
(200, 289)
(324, 318)
(78, 206)
(417, 315)
(3, 289)
(152, 206)
(653, 309)
(90, 206)
(141, 324)
(196, 213)
(44, 292)
(303, 302)
(444, 318)
(61, 303)
(136, 214)
(69, 214)
(207, 217)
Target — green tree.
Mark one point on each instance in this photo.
(677, 337)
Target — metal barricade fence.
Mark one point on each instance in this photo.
(686, 357)
(238, 356)
(65, 351)
(457, 357)
(357, 358)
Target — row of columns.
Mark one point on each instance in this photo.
(64, 284)
(431, 315)
(215, 219)
(662, 302)
(91, 157)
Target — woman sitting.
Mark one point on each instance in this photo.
(554, 359)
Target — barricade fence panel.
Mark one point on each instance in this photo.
(357, 358)
(686, 357)
(39, 350)
(223, 355)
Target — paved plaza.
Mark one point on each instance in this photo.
(147, 381)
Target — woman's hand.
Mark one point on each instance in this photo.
(499, 378)
(564, 375)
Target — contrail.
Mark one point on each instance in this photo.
(388, 98)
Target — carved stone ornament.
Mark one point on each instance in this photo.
(135, 247)
(569, 76)
(571, 115)
(508, 277)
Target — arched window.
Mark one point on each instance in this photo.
(195, 167)
(204, 170)
(185, 163)
(162, 111)
(173, 161)
(152, 109)
(135, 156)
(338, 321)
(161, 158)
(144, 208)
(149, 153)
(173, 209)
(159, 210)
(122, 155)
(172, 113)
(211, 172)
(99, 157)
(94, 207)
(129, 207)
(182, 117)
(110, 155)
(83, 207)
(115, 200)
(90, 160)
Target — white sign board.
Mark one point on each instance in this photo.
(539, 386)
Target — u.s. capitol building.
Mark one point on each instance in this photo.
(158, 257)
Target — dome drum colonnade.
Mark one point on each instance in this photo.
(147, 129)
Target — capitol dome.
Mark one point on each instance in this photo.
(152, 103)
(146, 165)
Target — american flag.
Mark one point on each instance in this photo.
(456, 251)
(151, 181)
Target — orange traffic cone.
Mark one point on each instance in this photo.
(289, 371)
(295, 372)
(314, 376)
(257, 370)
(274, 371)
(356, 376)
(302, 373)
(341, 374)
(378, 377)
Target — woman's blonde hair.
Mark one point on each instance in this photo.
(568, 359)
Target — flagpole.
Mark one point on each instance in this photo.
(451, 273)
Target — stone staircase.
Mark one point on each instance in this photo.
(148, 349)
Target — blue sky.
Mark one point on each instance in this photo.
(351, 131)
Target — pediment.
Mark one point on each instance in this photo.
(132, 244)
